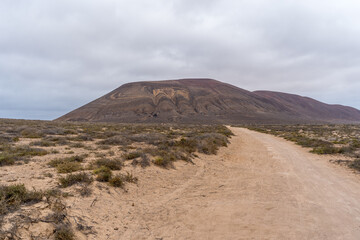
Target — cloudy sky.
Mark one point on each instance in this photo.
(58, 55)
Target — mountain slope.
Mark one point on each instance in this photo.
(310, 108)
(204, 101)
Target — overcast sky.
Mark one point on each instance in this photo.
(58, 55)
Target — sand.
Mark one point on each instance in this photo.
(259, 187)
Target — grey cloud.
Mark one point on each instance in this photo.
(57, 55)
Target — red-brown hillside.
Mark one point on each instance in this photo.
(205, 101)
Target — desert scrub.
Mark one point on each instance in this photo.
(165, 160)
(171, 142)
(43, 143)
(144, 161)
(115, 140)
(113, 164)
(12, 196)
(131, 155)
(74, 178)
(327, 150)
(56, 140)
(31, 133)
(103, 174)
(72, 159)
(119, 179)
(209, 143)
(323, 139)
(64, 232)
(68, 167)
(9, 155)
(355, 164)
(77, 145)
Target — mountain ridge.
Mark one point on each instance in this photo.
(206, 101)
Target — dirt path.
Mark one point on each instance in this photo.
(260, 187)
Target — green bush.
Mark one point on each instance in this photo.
(326, 150)
(72, 159)
(64, 232)
(68, 167)
(31, 133)
(160, 161)
(12, 196)
(103, 174)
(10, 155)
(6, 159)
(72, 179)
(117, 181)
(131, 155)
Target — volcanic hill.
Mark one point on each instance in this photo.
(206, 101)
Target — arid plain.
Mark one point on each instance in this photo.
(258, 187)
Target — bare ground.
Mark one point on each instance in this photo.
(260, 187)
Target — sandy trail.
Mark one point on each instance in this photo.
(260, 187)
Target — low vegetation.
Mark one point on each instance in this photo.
(322, 139)
(120, 179)
(112, 164)
(64, 232)
(10, 155)
(68, 164)
(75, 178)
(13, 196)
(77, 154)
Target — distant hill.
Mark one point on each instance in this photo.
(206, 101)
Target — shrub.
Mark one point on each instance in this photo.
(43, 143)
(160, 161)
(25, 151)
(6, 159)
(77, 145)
(53, 131)
(57, 140)
(83, 137)
(68, 167)
(209, 143)
(64, 232)
(131, 155)
(327, 150)
(72, 179)
(109, 163)
(103, 174)
(117, 181)
(31, 133)
(355, 164)
(11, 197)
(115, 140)
(150, 138)
(72, 159)
(10, 155)
(143, 162)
